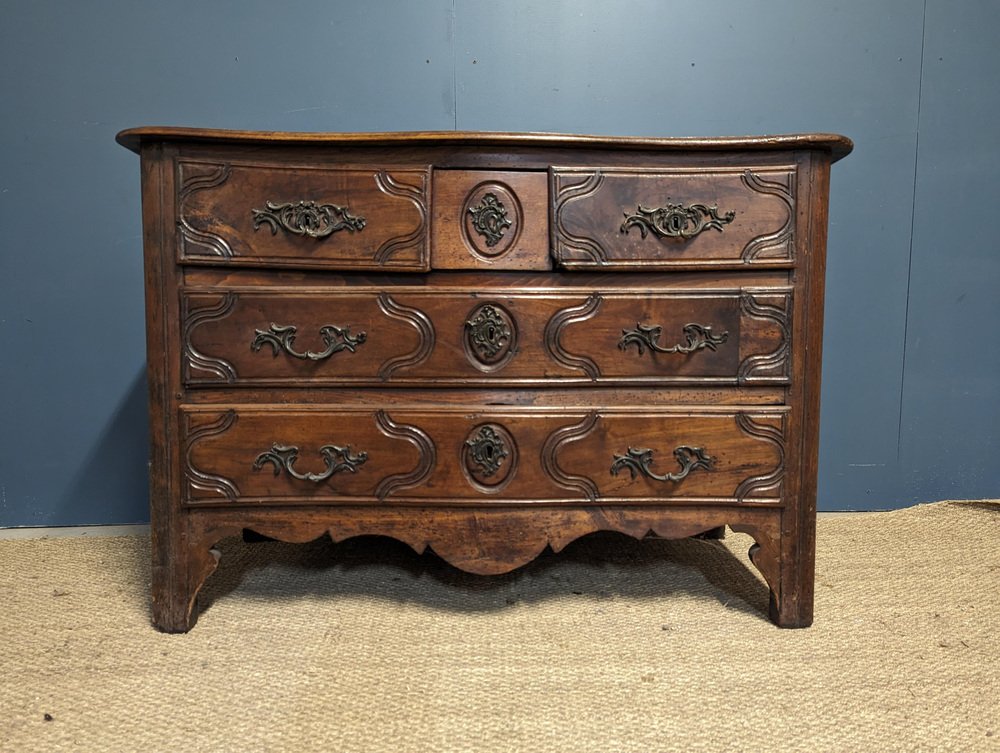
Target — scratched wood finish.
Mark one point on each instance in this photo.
(566, 378)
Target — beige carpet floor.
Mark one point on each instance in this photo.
(613, 645)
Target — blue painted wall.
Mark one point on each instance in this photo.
(911, 396)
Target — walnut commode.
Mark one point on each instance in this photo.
(482, 343)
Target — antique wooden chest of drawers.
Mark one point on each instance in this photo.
(482, 343)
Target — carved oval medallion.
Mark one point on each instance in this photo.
(492, 220)
(489, 458)
(490, 337)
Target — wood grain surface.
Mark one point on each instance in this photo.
(486, 344)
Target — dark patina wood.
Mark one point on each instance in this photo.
(514, 332)
(550, 456)
(295, 214)
(482, 343)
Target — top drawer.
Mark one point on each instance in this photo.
(687, 218)
(303, 216)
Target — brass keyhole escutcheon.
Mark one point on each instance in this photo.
(491, 220)
(489, 457)
(490, 337)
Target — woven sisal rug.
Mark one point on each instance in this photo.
(612, 645)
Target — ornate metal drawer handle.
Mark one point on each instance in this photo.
(676, 220)
(282, 338)
(638, 460)
(337, 459)
(306, 218)
(696, 337)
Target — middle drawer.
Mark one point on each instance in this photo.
(285, 338)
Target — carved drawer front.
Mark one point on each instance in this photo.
(726, 337)
(405, 336)
(288, 339)
(455, 456)
(673, 218)
(303, 216)
(490, 220)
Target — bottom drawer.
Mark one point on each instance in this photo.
(273, 455)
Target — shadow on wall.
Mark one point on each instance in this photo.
(111, 484)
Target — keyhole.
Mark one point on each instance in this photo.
(675, 222)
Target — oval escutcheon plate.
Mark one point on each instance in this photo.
(492, 220)
(490, 337)
(489, 458)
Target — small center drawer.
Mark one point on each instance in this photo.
(490, 220)
(680, 218)
(303, 216)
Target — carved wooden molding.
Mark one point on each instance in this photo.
(193, 239)
(420, 321)
(191, 180)
(768, 434)
(550, 463)
(553, 332)
(198, 479)
(491, 552)
(564, 241)
(418, 197)
(192, 319)
(755, 368)
(419, 439)
(764, 553)
(776, 245)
